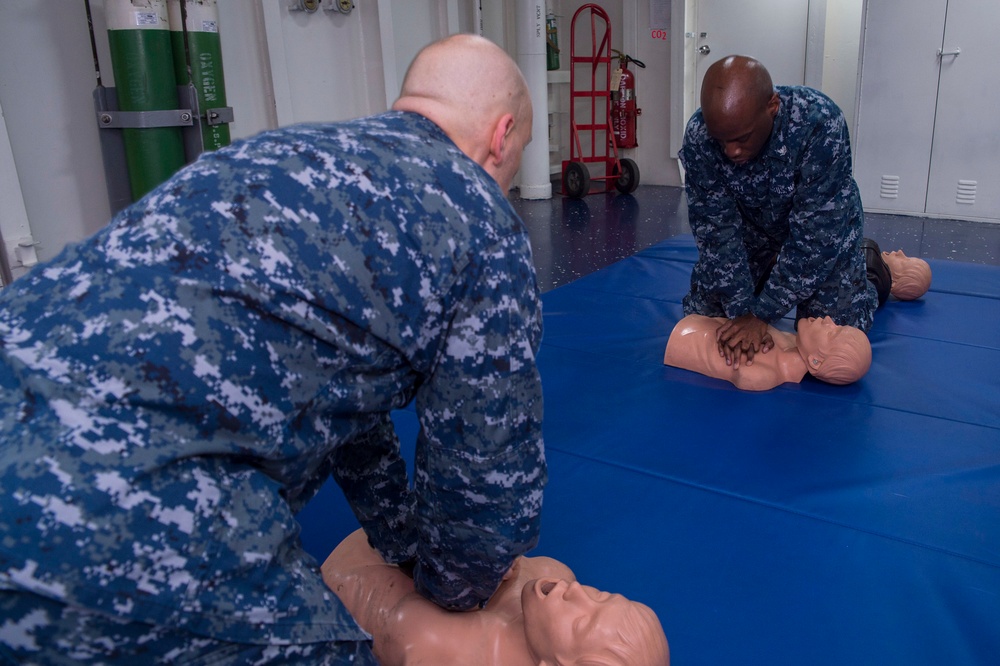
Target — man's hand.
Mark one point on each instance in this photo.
(743, 337)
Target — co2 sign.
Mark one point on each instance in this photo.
(658, 34)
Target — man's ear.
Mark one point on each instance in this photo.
(498, 142)
(773, 105)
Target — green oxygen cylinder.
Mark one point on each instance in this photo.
(551, 43)
(141, 58)
(204, 49)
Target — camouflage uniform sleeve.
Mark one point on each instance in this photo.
(372, 475)
(824, 208)
(722, 268)
(480, 462)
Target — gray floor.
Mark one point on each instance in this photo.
(573, 237)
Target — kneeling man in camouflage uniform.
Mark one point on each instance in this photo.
(774, 209)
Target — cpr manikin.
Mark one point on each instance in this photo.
(538, 615)
(832, 353)
(911, 277)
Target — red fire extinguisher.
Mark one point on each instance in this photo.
(623, 103)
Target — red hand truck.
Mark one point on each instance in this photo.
(596, 132)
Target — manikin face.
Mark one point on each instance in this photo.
(898, 262)
(911, 276)
(566, 621)
(818, 335)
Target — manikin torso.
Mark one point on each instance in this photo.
(692, 346)
(409, 630)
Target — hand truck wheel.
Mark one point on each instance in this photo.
(576, 180)
(627, 176)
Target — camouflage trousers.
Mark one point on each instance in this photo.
(38, 630)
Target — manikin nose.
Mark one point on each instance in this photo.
(576, 592)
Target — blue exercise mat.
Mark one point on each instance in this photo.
(808, 524)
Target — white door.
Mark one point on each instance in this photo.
(965, 155)
(899, 78)
(928, 129)
(772, 31)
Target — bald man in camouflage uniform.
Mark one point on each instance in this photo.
(774, 209)
(178, 386)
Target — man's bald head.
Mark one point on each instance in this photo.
(735, 83)
(474, 91)
(738, 104)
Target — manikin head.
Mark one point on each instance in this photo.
(739, 105)
(834, 354)
(911, 276)
(470, 88)
(568, 624)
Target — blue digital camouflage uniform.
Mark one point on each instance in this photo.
(797, 200)
(178, 386)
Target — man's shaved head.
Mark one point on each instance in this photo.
(467, 85)
(735, 83)
(739, 104)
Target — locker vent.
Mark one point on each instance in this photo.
(966, 193)
(889, 188)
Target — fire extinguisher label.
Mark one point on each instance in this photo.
(616, 79)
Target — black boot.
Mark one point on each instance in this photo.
(878, 270)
